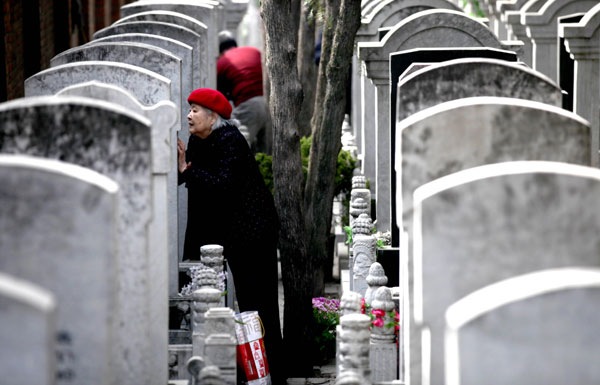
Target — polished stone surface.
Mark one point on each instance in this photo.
(484, 224)
(58, 224)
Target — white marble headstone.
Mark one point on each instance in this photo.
(485, 224)
(58, 224)
(537, 328)
(27, 332)
(117, 143)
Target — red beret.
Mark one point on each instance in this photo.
(211, 99)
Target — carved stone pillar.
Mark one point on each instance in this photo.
(212, 256)
(359, 191)
(350, 303)
(220, 343)
(375, 280)
(206, 297)
(384, 353)
(364, 253)
(354, 344)
(362, 226)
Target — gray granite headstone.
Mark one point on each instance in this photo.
(488, 223)
(58, 224)
(537, 328)
(179, 49)
(150, 57)
(162, 250)
(191, 38)
(147, 86)
(425, 29)
(205, 68)
(173, 31)
(463, 78)
(205, 12)
(164, 221)
(27, 334)
(476, 131)
(117, 143)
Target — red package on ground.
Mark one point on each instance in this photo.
(251, 353)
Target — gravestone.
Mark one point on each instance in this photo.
(147, 86)
(150, 57)
(479, 131)
(27, 335)
(179, 49)
(205, 68)
(162, 250)
(58, 224)
(380, 14)
(205, 12)
(426, 29)
(582, 40)
(117, 143)
(176, 32)
(542, 26)
(400, 63)
(537, 327)
(488, 223)
(195, 40)
(468, 77)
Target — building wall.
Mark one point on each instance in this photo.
(30, 42)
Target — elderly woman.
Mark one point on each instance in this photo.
(229, 204)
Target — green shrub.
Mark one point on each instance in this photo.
(346, 164)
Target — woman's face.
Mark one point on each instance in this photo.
(200, 120)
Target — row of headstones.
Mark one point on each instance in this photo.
(397, 34)
(466, 133)
(116, 241)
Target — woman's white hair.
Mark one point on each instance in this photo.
(220, 122)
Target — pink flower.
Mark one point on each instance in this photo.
(378, 312)
(378, 322)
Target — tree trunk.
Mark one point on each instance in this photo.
(307, 68)
(332, 9)
(326, 139)
(280, 18)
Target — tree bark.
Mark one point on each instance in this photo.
(307, 68)
(332, 11)
(280, 18)
(326, 139)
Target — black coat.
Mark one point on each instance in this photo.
(228, 201)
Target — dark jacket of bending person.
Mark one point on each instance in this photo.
(230, 205)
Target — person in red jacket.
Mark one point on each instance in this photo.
(239, 78)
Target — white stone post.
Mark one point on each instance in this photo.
(354, 345)
(384, 353)
(350, 303)
(360, 198)
(206, 297)
(363, 253)
(375, 279)
(220, 344)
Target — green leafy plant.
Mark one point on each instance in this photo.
(265, 166)
(348, 231)
(346, 164)
(326, 316)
